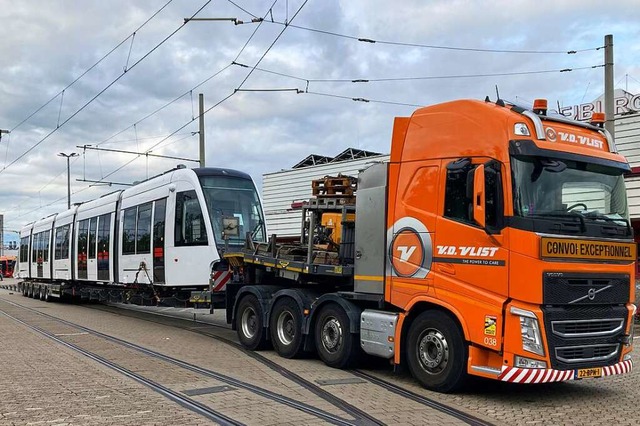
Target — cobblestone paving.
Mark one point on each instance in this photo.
(595, 401)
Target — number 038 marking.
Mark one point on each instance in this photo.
(490, 341)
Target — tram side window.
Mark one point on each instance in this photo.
(190, 226)
(129, 231)
(34, 247)
(143, 230)
(62, 243)
(24, 249)
(83, 231)
(104, 228)
(93, 229)
(46, 242)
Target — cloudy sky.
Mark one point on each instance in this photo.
(126, 75)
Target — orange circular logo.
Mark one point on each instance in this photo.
(407, 253)
(551, 134)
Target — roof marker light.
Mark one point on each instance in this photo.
(598, 119)
(540, 106)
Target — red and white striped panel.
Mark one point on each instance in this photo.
(540, 375)
(619, 368)
(220, 280)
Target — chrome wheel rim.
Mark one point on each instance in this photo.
(286, 328)
(249, 322)
(332, 335)
(433, 351)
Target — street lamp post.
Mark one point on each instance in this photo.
(67, 156)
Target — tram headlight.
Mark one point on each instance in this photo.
(529, 331)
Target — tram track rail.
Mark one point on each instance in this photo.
(181, 399)
(391, 387)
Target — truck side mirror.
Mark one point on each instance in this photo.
(479, 210)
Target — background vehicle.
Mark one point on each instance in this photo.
(7, 266)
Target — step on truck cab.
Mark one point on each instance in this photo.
(496, 242)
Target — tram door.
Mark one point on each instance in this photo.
(103, 241)
(159, 215)
(92, 265)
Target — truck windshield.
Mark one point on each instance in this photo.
(234, 209)
(555, 188)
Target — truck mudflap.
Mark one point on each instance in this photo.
(541, 375)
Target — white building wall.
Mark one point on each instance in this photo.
(280, 189)
(628, 143)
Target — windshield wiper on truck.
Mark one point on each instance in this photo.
(600, 216)
(562, 214)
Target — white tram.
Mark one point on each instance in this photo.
(168, 231)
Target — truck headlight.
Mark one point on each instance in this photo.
(529, 330)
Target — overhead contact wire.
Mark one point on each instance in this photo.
(102, 91)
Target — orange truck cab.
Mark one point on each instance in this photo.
(509, 247)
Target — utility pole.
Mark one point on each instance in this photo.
(609, 108)
(201, 121)
(67, 156)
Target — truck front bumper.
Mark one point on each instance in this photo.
(548, 375)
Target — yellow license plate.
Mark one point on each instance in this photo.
(586, 373)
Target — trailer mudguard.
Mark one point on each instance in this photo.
(353, 311)
(264, 294)
(304, 298)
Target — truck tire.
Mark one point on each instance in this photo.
(249, 323)
(335, 343)
(42, 290)
(285, 326)
(436, 352)
(47, 295)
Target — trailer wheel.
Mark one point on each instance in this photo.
(47, 295)
(30, 291)
(285, 326)
(24, 290)
(437, 352)
(335, 343)
(42, 290)
(249, 323)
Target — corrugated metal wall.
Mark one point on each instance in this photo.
(280, 189)
(628, 142)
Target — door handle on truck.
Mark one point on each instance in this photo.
(447, 269)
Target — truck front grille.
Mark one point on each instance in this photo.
(587, 328)
(587, 353)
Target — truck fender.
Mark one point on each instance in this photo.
(445, 306)
(264, 294)
(353, 312)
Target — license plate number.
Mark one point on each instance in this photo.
(586, 373)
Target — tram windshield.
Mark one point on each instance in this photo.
(234, 209)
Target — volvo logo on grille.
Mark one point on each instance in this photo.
(591, 294)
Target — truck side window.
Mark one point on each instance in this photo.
(459, 186)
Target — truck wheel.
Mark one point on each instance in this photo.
(24, 290)
(285, 326)
(335, 344)
(437, 352)
(47, 295)
(249, 324)
(42, 290)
